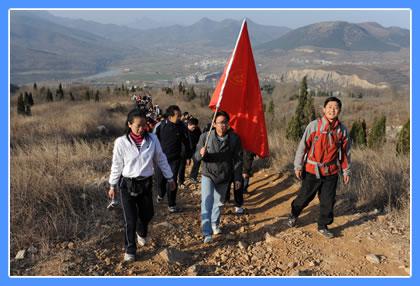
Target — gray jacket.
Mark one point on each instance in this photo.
(223, 160)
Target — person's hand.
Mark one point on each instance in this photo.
(298, 174)
(238, 185)
(346, 179)
(188, 162)
(111, 193)
(172, 185)
(202, 152)
(245, 175)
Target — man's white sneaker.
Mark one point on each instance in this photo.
(208, 239)
(216, 229)
(239, 210)
(142, 241)
(129, 257)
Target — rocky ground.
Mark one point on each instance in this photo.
(255, 243)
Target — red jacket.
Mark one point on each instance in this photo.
(324, 149)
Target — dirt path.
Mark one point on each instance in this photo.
(256, 243)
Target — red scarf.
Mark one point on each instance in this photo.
(136, 138)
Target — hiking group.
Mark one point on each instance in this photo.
(150, 159)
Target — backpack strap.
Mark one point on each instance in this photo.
(316, 138)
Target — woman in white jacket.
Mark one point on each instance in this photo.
(135, 153)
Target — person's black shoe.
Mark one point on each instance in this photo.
(326, 232)
(291, 220)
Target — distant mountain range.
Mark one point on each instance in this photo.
(345, 36)
(44, 46)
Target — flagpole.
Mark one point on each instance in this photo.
(224, 83)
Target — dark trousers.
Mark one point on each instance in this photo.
(238, 195)
(138, 211)
(181, 173)
(326, 188)
(162, 183)
(194, 170)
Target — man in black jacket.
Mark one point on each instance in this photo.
(222, 160)
(194, 134)
(172, 135)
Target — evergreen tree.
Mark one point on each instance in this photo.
(97, 96)
(31, 99)
(28, 110)
(71, 96)
(60, 92)
(87, 95)
(358, 133)
(26, 106)
(308, 110)
(304, 114)
(377, 136)
(271, 107)
(20, 104)
(403, 141)
(190, 94)
(49, 95)
(35, 86)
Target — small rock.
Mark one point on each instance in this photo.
(312, 263)
(21, 254)
(271, 239)
(242, 229)
(171, 255)
(298, 273)
(381, 218)
(32, 250)
(292, 264)
(70, 245)
(242, 245)
(373, 258)
(192, 270)
(108, 261)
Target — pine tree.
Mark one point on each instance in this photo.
(35, 86)
(20, 104)
(308, 110)
(271, 109)
(190, 94)
(377, 136)
(304, 114)
(71, 96)
(403, 141)
(97, 96)
(49, 95)
(31, 99)
(26, 99)
(358, 133)
(87, 95)
(28, 110)
(60, 92)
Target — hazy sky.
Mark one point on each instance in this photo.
(291, 19)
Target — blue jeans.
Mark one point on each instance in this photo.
(211, 201)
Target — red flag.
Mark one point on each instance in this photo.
(238, 93)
